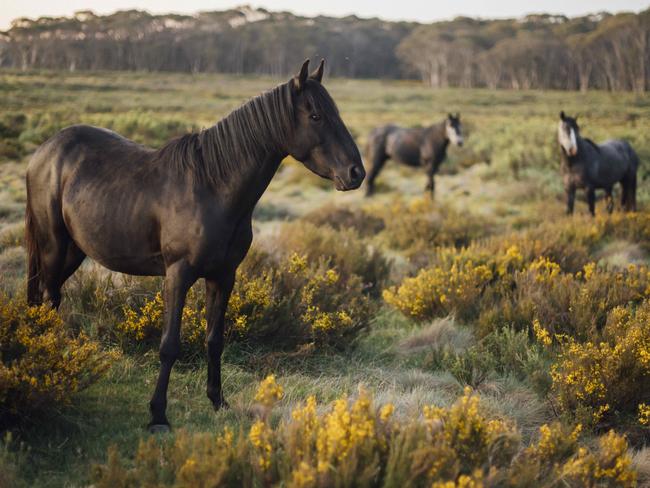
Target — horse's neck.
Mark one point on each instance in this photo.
(244, 189)
(437, 135)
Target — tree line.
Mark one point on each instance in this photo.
(598, 51)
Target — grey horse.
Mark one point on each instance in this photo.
(590, 166)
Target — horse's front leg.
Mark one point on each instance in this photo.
(610, 200)
(178, 279)
(217, 294)
(570, 199)
(431, 173)
(591, 200)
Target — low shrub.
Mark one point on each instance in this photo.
(454, 285)
(418, 226)
(606, 379)
(574, 304)
(505, 351)
(500, 287)
(343, 250)
(284, 302)
(41, 363)
(338, 217)
(11, 236)
(354, 443)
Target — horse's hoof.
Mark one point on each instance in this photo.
(221, 405)
(159, 429)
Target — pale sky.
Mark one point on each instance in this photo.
(419, 10)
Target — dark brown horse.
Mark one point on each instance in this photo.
(592, 166)
(182, 212)
(425, 147)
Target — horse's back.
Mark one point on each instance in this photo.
(84, 175)
(619, 153)
(92, 150)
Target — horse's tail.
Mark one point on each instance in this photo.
(33, 257)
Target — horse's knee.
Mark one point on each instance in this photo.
(169, 350)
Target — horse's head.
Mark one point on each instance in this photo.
(454, 129)
(567, 134)
(321, 141)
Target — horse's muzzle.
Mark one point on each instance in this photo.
(351, 178)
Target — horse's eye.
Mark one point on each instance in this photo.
(315, 117)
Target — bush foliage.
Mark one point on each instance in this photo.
(287, 302)
(41, 363)
(355, 443)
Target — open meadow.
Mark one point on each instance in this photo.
(482, 338)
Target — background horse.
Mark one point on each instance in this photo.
(587, 165)
(425, 147)
(182, 212)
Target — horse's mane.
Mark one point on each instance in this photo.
(261, 126)
(593, 144)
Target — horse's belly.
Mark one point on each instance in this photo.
(120, 238)
(404, 148)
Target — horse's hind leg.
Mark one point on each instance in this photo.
(73, 259)
(629, 188)
(59, 257)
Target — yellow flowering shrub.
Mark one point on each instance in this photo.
(353, 443)
(294, 301)
(511, 288)
(41, 362)
(559, 459)
(288, 302)
(438, 291)
(608, 378)
(455, 285)
(269, 392)
(143, 324)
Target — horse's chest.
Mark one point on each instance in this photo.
(575, 176)
(226, 247)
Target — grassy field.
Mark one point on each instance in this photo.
(502, 188)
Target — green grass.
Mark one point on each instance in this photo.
(521, 188)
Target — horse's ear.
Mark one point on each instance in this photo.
(449, 116)
(458, 115)
(300, 79)
(317, 74)
(562, 116)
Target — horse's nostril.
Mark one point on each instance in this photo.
(356, 173)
